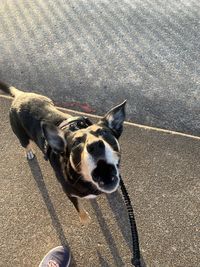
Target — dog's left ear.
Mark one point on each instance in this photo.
(54, 137)
(114, 119)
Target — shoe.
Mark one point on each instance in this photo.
(57, 257)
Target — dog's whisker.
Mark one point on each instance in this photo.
(95, 191)
(117, 153)
(78, 179)
(78, 165)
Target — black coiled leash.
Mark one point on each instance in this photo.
(136, 261)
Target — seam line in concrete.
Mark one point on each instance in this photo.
(126, 122)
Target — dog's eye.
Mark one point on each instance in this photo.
(77, 142)
(103, 132)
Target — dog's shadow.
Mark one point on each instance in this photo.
(107, 235)
(37, 174)
(102, 261)
(118, 207)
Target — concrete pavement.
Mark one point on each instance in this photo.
(91, 54)
(161, 171)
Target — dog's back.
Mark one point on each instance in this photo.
(25, 99)
(37, 106)
(27, 111)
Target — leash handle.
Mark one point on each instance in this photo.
(136, 249)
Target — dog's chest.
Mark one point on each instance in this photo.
(83, 189)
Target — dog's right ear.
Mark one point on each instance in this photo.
(114, 119)
(54, 136)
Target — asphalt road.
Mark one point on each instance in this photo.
(91, 54)
(161, 171)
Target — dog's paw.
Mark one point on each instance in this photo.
(84, 217)
(30, 155)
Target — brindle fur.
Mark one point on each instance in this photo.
(34, 117)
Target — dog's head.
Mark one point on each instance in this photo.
(93, 152)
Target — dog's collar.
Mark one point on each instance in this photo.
(72, 124)
(75, 123)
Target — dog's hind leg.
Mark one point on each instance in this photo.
(21, 134)
(83, 214)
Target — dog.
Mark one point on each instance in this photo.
(85, 156)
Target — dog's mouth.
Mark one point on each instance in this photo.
(106, 176)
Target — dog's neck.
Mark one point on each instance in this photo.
(72, 182)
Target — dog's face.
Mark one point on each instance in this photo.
(94, 152)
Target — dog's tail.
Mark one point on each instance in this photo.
(9, 89)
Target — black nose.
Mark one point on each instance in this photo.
(96, 148)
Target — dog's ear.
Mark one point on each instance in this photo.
(54, 137)
(114, 119)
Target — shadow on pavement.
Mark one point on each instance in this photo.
(102, 261)
(37, 174)
(117, 205)
(120, 212)
(108, 235)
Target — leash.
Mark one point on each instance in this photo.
(136, 260)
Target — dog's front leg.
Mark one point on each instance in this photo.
(30, 154)
(83, 214)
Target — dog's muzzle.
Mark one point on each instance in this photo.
(105, 175)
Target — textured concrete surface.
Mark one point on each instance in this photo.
(91, 54)
(161, 172)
